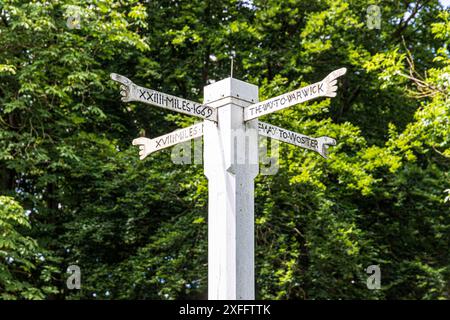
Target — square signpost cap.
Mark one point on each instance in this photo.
(230, 87)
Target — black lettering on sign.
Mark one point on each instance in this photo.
(166, 140)
(304, 140)
(262, 127)
(320, 87)
(178, 136)
(144, 94)
(305, 92)
(273, 129)
(202, 110)
(291, 97)
(170, 101)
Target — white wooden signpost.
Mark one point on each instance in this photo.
(230, 133)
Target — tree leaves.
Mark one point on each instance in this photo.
(138, 229)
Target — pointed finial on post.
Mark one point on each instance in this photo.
(231, 73)
(232, 55)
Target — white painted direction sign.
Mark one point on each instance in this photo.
(230, 186)
(325, 88)
(147, 146)
(320, 145)
(133, 92)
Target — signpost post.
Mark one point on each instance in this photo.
(230, 129)
(231, 165)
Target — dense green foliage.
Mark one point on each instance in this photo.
(74, 192)
(25, 271)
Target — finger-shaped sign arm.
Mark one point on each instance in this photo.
(331, 82)
(323, 143)
(145, 146)
(126, 88)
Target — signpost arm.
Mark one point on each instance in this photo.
(132, 92)
(325, 88)
(319, 145)
(231, 164)
(147, 146)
